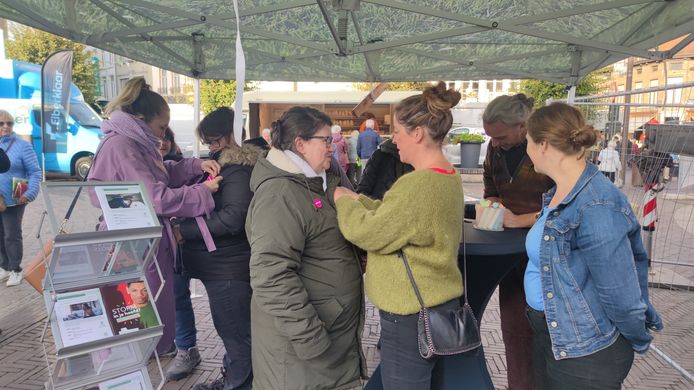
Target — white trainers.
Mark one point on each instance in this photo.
(4, 274)
(15, 279)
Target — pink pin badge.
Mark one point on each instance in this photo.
(317, 202)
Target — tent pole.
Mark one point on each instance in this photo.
(572, 95)
(196, 117)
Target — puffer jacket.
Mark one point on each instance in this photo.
(307, 308)
(226, 223)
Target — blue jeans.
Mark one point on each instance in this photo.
(186, 333)
(11, 245)
(230, 306)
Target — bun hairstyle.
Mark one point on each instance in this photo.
(431, 110)
(137, 98)
(563, 127)
(302, 122)
(509, 109)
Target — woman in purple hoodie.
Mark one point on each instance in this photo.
(341, 153)
(137, 121)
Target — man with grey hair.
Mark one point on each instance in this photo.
(367, 143)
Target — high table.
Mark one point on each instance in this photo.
(490, 256)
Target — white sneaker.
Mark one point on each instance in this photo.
(15, 279)
(4, 274)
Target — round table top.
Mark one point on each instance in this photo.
(489, 243)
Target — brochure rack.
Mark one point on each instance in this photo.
(102, 314)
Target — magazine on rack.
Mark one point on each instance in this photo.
(132, 381)
(128, 306)
(80, 317)
(124, 207)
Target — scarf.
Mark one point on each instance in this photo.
(130, 126)
(305, 168)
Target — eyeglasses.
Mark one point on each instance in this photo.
(8, 123)
(215, 143)
(328, 139)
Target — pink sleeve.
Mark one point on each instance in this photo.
(183, 172)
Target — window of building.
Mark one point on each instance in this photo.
(164, 79)
(636, 98)
(112, 81)
(497, 86)
(653, 96)
(451, 85)
(475, 85)
(639, 70)
(654, 67)
(676, 66)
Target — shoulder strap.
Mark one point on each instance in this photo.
(10, 144)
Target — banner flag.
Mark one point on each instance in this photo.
(56, 79)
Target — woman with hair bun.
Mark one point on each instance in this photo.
(137, 121)
(422, 216)
(586, 283)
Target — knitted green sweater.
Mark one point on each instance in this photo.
(423, 214)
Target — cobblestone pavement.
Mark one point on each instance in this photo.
(23, 362)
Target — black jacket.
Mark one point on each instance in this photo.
(382, 170)
(226, 223)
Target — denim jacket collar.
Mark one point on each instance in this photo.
(588, 172)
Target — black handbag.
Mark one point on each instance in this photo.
(443, 331)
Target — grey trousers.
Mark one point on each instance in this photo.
(11, 247)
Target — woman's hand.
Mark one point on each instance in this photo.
(211, 167)
(512, 220)
(342, 191)
(213, 185)
(23, 200)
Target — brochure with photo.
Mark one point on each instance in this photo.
(124, 207)
(80, 317)
(128, 307)
(19, 187)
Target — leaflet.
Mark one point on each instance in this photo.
(132, 381)
(80, 317)
(124, 207)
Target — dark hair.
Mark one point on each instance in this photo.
(218, 123)
(136, 98)
(431, 110)
(563, 127)
(296, 122)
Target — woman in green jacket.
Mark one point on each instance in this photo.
(422, 216)
(307, 304)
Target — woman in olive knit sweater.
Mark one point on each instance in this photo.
(422, 215)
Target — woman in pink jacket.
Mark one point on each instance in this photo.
(137, 121)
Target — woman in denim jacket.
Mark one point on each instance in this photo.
(586, 282)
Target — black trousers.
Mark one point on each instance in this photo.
(610, 175)
(11, 245)
(603, 370)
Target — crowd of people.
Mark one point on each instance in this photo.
(279, 228)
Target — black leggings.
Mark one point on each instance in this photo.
(603, 370)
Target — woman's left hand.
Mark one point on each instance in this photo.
(342, 191)
(211, 167)
(24, 200)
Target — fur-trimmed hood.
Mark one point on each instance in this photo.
(246, 154)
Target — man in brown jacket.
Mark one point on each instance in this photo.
(509, 178)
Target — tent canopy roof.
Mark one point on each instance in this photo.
(370, 40)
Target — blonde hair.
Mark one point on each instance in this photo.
(431, 110)
(336, 129)
(136, 98)
(355, 133)
(509, 109)
(6, 114)
(563, 127)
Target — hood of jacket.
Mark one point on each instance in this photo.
(247, 154)
(277, 165)
(132, 127)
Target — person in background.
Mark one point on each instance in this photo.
(367, 143)
(353, 171)
(374, 125)
(383, 169)
(225, 270)
(306, 307)
(422, 216)
(590, 311)
(138, 119)
(267, 136)
(23, 166)
(509, 178)
(609, 162)
(340, 148)
(169, 150)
